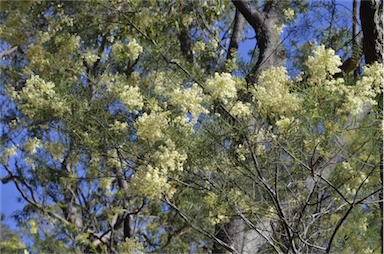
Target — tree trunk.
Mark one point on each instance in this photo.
(237, 32)
(271, 53)
(371, 16)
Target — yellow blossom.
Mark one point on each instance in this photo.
(289, 14)
(118, 127)
(190, 100)
(362, 96)
(33, 227)
(149, 182)
(272, 94)
(130, 96)
(123, 52)
(90, 57)
(56, 149)
(11, 151)
(40, 96)
(284, 123)
(31, 145)
(222, 87)
(151, 127)
(241, 110)
(323, 64)
(199, 47)
(168, 158)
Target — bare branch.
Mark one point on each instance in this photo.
(7, 52)
(236, 33)
(198, 228)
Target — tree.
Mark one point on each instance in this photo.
(10, 241)
(131, 126)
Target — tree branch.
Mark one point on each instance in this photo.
(253, 16)
(236, 33)
(7, 52)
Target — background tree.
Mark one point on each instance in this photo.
(132, 126)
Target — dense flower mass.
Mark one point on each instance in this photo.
(149, 182)
(39, 96)
(130, 96)
(189, 100)
(123, 52)
(133, 127)
(272, 95)
(241, 110)
(167, 158)
(362, 96)
(31, 145)
(222, 87)
(152, 127)
(322, 64)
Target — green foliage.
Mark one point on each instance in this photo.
(119, 141)
(10, 241)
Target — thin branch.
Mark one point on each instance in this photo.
(253, 16)
(250, 224)
(7, 52)
(198, 228)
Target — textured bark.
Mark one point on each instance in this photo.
(371, 16)
(355, 22)
(186, 45)
(271, 52)
(237, 32)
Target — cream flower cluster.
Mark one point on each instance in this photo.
(241, 110)
(272, 95)
(222, 87)
(56, 149)
(134, 50)
(149, 182)
(152, 127)
(31, 145)
(284, 123)
(323, 64)
(130, 96)
(122, 52)
(289, 14)
(363, 94)
(118, 128)
(189, 100)
(11, 151)
(199, 47)
(167, 158)
(90, 57)
(38, 96)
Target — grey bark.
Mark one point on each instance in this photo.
(271, 53)
(237, 32)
